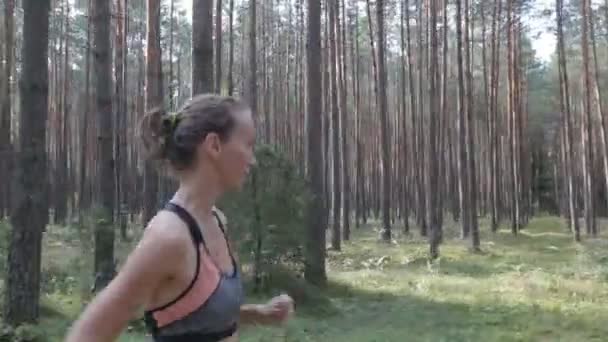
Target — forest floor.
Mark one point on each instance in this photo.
(537, 286)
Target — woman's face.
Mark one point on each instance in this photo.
(235, 155)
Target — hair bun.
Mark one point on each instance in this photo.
(153, 132)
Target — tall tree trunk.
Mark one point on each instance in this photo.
(315, 242)
(512, 115)
(462, 160)
(345, 129)
(231, 52)
(420, 136)
(218, 46)
(406, 155)
(335, 121)
(413, 108)
(588, 145)
(154, 96)
(470, 133)
(83, 200)
(383, 106)
(432, 179)
(104, 231)
(493, 112)
(6, 105)
(120, 115)
(253, 80)
(202, 47)
(29, 213)
(600, 107)
(171, 46)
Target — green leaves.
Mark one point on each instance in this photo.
(270, 211)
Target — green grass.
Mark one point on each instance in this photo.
(537, 286)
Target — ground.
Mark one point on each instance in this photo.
(537, 286)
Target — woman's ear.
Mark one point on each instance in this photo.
(212, 144)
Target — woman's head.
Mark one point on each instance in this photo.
(210, 132)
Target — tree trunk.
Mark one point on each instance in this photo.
(345, 129)
(588, 145)
(120, 115)
(432, 179)
(6, 105)
(202, 47)
(462, 160)
(253, 80)
(83, 200)
(406, 152)
(335, 121)
(386, 161)
(171, 46)
(231, 53)
(315, 243)
(600, 107)
(470, 134)
(104, 230)
(218, 46)
(29, 212)
(493, 131)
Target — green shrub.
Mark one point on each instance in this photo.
(266, 219)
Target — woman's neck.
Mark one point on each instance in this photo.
(197, 193)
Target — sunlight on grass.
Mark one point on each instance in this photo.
(537, 286)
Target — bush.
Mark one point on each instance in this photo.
(267, 218)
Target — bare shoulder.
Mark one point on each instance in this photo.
(166, 230)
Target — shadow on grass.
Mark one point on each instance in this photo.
(369, 315)
(366, 315)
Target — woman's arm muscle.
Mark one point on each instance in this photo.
(152, 261)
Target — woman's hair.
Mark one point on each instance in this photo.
(173, 137)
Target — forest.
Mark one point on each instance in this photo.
(427, 170)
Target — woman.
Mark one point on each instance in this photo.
(183, 272)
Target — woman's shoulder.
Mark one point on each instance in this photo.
(166, 229)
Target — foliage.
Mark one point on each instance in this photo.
(267, 217)
(22, 333)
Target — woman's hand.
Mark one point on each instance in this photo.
(279, 309)
(276, 311)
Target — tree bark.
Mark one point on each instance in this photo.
(231, 52)
(433, 178)
(315, 243)
(600, 107)
(29, 212)
(345, 128)
(470, 134)
(202, 47)
(385, 138)
(6, 105)
(253, 80)
(462, 117)
(218, 46)
(154, 97)
(335, 125)
(588, 145)
(104, 230)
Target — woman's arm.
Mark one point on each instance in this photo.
(152, 261)
(254, 314)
